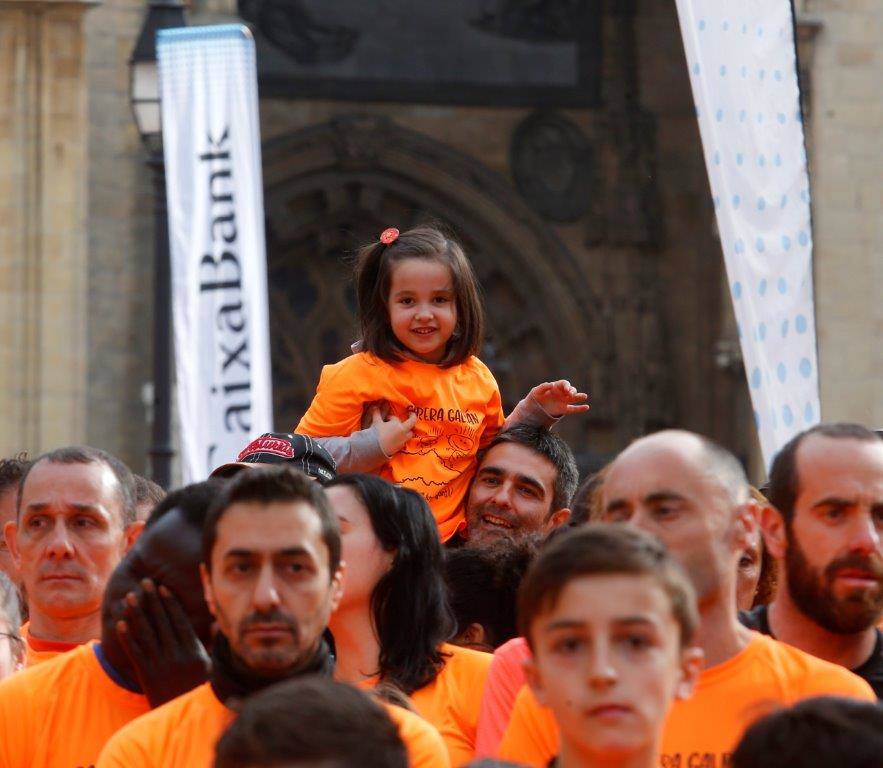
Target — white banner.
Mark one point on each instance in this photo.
(742, 66)
(211, 140)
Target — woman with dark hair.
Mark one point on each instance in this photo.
(394, 620)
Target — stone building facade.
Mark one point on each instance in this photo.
(622, 291)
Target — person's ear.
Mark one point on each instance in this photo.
(692, 659)
(132, 532)
(207, 591)
(10, 533)
(337, 585)
(534, 679)
(473, 636)
(558, 518)
(775, 533)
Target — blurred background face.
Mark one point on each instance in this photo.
(270, 588)
(661, 488)
(366, 559)
(607, 660)
(748, 574)
(69, 537)
(834, 560)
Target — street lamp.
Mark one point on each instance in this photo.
(145, 98)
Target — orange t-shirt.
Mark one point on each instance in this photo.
(452, 701)
(182, 734)
(38, 651)
(458, 411)
(504, 680)
(704, 729)
(60, 713)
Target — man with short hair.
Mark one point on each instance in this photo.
(154, 622)
(272, 575)
(523, 485)
(692, 494)
(75, 519)
(308, 722)
(825, 529)
(11, 472)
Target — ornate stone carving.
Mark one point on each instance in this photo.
(552, 166)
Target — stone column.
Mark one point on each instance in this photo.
(43, 197)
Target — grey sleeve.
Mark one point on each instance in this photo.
(531, 413)
(358, 452)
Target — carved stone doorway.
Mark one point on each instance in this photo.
(332, 187)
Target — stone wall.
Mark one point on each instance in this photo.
(120, 241)
(43, 193)
(847, 192)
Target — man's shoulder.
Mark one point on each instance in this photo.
(44, 679)
(152, 731)
(872, 669)
(177, 713)
(805, 675)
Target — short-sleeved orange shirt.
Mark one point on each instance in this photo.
(458, 410)
(38, 651)
(764, 676)
(452, 701)
(182, 734)
(60, 713)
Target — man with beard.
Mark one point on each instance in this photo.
(523, 485)
(154, 623)
(272, 575)
(826, 487)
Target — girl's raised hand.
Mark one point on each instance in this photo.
(558, 398)
(392, 432)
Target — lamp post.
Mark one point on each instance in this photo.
(145, 99)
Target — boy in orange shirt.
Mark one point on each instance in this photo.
(609, 616)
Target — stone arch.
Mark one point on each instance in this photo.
(333, 186)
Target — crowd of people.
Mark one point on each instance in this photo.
(409, 578)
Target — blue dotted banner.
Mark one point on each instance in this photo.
(741, 61)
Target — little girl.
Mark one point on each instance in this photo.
(431, 403)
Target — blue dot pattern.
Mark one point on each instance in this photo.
(208, 86)
(752, 135)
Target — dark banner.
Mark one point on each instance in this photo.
(495, 52)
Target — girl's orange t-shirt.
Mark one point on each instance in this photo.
(458, 412)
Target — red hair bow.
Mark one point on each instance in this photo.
(389, 236)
